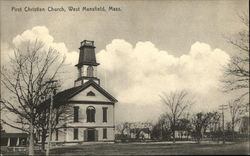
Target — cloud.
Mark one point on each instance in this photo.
(138, 75)
(42, 34)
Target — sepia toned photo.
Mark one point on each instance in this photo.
(123, 77)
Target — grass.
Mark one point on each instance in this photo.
(150, 149)
(154, 149)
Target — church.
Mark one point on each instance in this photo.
(92, 108)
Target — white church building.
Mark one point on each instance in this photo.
(92, 108)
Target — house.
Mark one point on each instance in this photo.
(140, 133)
(244, 125)
(138, 130)
(181, 134)
(92, 108)
(14, 139)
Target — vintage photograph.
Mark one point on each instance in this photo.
(123, 77)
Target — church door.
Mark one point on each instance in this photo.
(91, 134)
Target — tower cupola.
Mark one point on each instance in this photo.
(87, 65)
(87, 54)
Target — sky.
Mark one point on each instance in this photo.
(145, 50)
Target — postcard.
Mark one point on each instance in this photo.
(113, 77)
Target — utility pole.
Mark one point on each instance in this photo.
(248, 126)
(53, 87)
(161, 131)
(222, 108)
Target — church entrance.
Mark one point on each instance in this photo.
(91, 135)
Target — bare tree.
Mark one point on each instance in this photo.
(60, 115)
(24, 78)
(177, 103)
(235, 109)
(236, 74)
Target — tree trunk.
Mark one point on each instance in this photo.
(200, 136)
(174, 131)
(173, 135)
(161, 131)
(233, 128)
(43, 140)
(31, 139)
(199, 140)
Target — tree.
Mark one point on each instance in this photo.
(184, 124)
(1, 123)
(177, 103)
(200, 123)
(214, 126)
(24, 78)
(1, 129)
(122, 127)
(59, 116)
(235, 109)
(236, 74)
(162, 126)
(137, 127)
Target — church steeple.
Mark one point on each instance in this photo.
(87, 63)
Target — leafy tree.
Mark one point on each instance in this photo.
(161, 130)
(122, 128)
(200, 123)
(184, 125)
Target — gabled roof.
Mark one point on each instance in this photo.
(63, 97)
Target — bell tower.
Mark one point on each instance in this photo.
(87, 65)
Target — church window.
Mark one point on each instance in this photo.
(90, 93)
(90, 70)
(90, 114)
(56, 134)
(104, 133)
(104, 113)
(76, 112)
(75, 134)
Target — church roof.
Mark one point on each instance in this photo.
(63, 97)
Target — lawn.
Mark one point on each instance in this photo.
(153, 149)
(149, 149)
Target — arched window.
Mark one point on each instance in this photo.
(90, 71)
(90, 114)
(90, 93)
